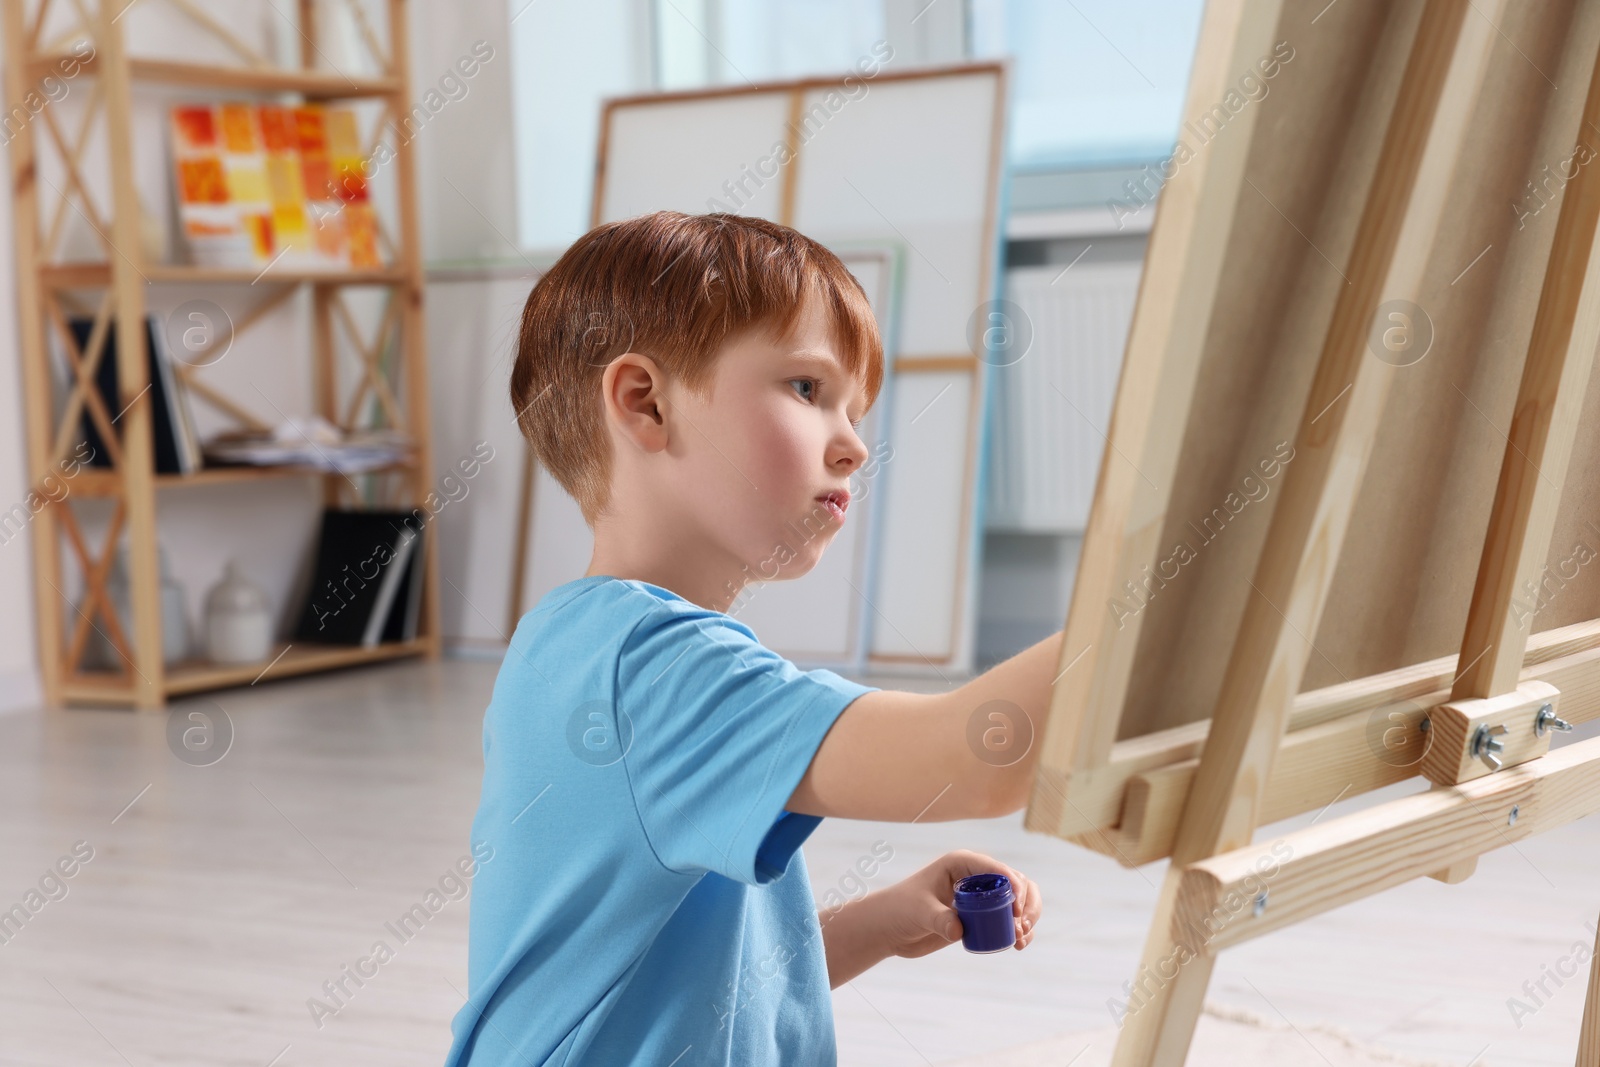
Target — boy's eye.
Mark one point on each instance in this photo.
(809, 394)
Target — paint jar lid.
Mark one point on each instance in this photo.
(980, 892)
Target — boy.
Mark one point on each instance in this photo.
(650, 769)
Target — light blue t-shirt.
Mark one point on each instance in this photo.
(647, 900)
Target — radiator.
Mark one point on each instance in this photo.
(1053, 406)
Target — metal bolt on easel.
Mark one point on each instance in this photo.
(1486, 744)
(1547, 719)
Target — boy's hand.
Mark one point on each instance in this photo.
(915, 915)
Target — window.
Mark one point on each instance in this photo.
(1096, 82)
(719, 42)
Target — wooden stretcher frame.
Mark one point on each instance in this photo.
(1413, 96)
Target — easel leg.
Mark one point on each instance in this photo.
(1589, 1039)
(1167, 992)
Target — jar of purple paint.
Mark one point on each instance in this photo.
(983, 903)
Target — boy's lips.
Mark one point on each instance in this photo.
(837, 502)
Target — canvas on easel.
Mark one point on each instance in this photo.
(1342, 524)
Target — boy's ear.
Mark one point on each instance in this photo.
(633, 389)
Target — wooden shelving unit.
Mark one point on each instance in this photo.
(49, 290)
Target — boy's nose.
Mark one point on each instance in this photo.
(852, 453)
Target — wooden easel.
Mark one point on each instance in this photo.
(1415, 98)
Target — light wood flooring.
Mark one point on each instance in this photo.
(220, 898)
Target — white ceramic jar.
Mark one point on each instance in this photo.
(238, 621)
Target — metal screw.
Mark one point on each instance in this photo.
(1486, 744)
(1260, 906)
(1547, 719)
(1511, 820)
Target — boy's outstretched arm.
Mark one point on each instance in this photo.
(966, 754)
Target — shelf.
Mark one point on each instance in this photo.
(107, 687)
(313, 85)
(105, 154)
(104, 482)
(188, 275)
(97, 275)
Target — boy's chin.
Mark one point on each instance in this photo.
(798, 567)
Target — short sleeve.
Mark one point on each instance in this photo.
(719, 731)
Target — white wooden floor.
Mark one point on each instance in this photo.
(220, 898)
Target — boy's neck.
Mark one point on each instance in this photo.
(688, 576)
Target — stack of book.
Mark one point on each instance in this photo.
(367, 580)
(177, 448)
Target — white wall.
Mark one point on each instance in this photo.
(467, 211)
(19, 685)
(466, 154)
